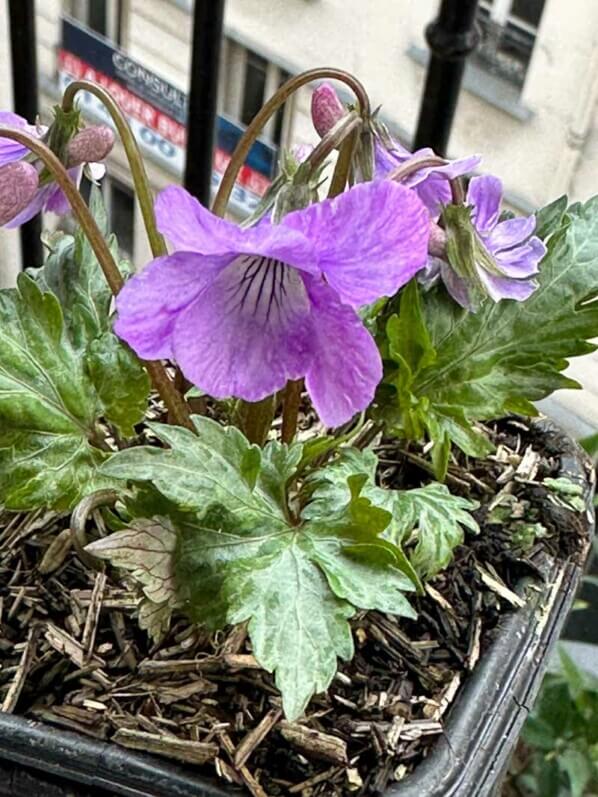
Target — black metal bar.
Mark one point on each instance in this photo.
(25, 93)
(208, 19)
(451, 38)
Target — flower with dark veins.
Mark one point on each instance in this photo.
(483, 255)
(85, 149)
(244, 310)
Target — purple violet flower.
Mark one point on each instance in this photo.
(431, 183)
(244, 310)
(488, 257)
(49, 197)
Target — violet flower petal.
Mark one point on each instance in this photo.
(511, 232)
(150, 302)
(485, 194)
(346, 366)
(246, 336)
(523, 261)
(36, 206)
(190, 226)
(11, 150)
(370, 240)
(504, 288)
(456, 286)
(57, 201)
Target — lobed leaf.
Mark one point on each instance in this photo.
(244, 557)
(47, 406)
(430, 516)
(62, 371)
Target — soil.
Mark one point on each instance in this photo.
(72, 655)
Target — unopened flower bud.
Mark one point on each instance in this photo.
(18, 184)
(326, 108)
(437, 240)
(90, 145)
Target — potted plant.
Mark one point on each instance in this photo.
(274, 519)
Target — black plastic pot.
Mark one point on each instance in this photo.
(468, 760)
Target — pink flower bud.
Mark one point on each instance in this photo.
(437, 240)
(18, 184)
(326, 108)
(90, 145)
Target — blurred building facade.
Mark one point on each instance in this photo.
(529, 103)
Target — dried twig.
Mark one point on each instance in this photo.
(14, 692)
(315, 744)
(181, 749)
(256, 736)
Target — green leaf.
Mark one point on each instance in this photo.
(61, 371)
(550, 218)
(511, 353)
(578, 769)
(121, 382)
(437, 519)
(569, 491)
(431, 514)
(73, 274)
(245, 557)
(538, 733)
(508, 354)
(408, 346)
(47, 406)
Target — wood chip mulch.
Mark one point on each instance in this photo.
(71, 653)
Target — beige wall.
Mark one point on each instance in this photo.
(552, 152)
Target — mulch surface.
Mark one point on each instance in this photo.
(72, 655)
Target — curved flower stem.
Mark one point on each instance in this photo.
(270, 108)
(79, 518)
(414, 165)
(140, 179)
(175, 403)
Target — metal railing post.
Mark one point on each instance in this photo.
(25, 93)
(452, 36)
(208, 19)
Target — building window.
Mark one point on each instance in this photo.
(509, 29)
(120, 206)
(105, 17)
(247, 81)
(256, 69)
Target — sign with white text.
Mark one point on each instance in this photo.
(157, 112)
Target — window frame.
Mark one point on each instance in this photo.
(117, 12)
(501, 22)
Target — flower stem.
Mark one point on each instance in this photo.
(140, 179)
(333, 139)
(414, 165)
(254, 418)
(175, 403)
(343, 165)
(268, 110)
(290, 410)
